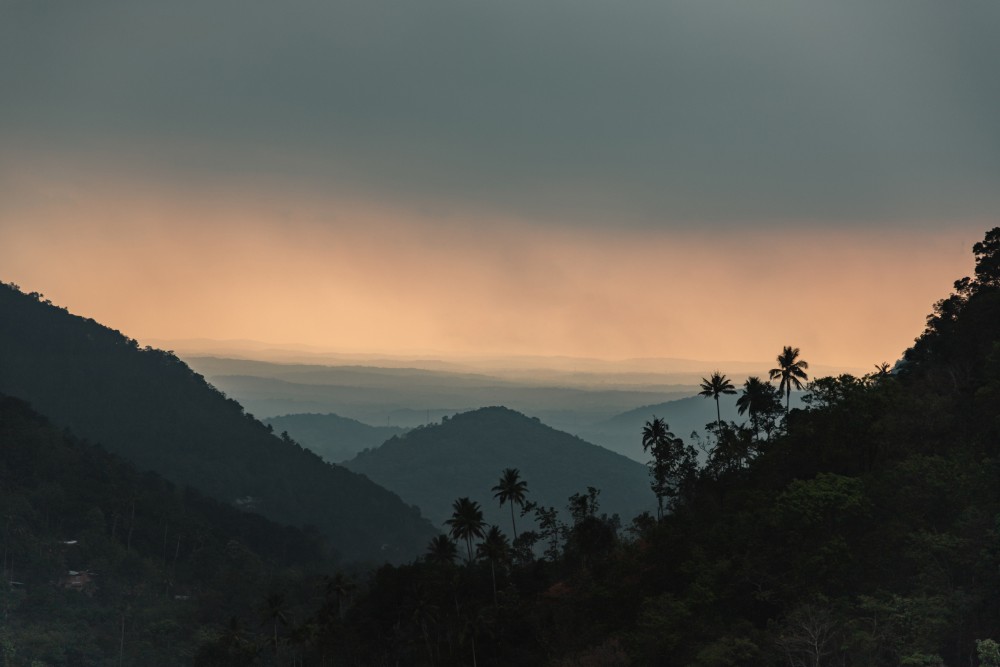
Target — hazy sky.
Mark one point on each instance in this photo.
(697, 179)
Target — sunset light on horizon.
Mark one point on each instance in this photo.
(697, 181)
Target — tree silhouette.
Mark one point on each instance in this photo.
(275, 611)
(792, 372)
(715, 386)
(494, 548)
(759, 399)
(655, 435)
(671, 459)
(442, 550)
(511, 489)
(466, 522)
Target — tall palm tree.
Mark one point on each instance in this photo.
(657, 438)
(792, 372)
(466, 522)
(654, 433)
(511, 489)
(442, 550)
(715, 386)
(494, 547)
(275, 611)
(757, 398)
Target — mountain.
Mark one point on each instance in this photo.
(333, 437)
(414, 396)
(102, 562)
(465, 455)
(623, 432)
(149, 407)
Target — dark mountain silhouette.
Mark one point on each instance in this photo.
(464, 457)
(90, 544)
(333, 437)
(149, 407)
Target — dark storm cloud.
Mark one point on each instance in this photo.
(632, 111)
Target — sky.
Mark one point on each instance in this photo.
(705, 180)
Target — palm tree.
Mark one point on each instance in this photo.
(791, 371)
(655, 433)
(466, 522)
(275, 608)
(511, 489)
(657, 438)
(758, 398)
(495, 548)
(442, 550)
(715, 386)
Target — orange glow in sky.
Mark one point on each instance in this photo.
(355, 275)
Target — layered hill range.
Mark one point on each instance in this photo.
(150, 408)
(334, 438)
(465, 455)
(601, 402)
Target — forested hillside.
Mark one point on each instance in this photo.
(104, 565)
(464, 456)
(149, 407)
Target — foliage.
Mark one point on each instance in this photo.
(147, 406)
(717, 385)
(791, 372)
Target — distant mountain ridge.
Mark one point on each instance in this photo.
(331, 436)
(466, 454)
(411, 396)
(623, 433)
(149, 407)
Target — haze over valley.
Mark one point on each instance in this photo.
(541, 333)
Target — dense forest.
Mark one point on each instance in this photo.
(860, 530)
(149, 407)
(103, 564)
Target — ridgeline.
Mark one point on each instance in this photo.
(149, 407)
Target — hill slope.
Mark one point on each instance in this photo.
(465, 455)
(333, 437)
(149, 407)
(171, 558)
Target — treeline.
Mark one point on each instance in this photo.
(862, 530)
